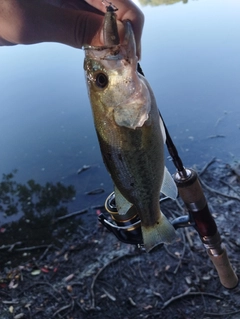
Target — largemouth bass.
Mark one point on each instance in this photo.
(131, 135)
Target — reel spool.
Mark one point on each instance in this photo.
(127, 227)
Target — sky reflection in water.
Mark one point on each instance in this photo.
(190, 56)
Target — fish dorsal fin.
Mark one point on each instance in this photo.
(169, 187)
(122, 204)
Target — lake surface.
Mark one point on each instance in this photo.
(190, 56)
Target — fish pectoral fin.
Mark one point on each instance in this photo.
(169, 187)
(162, 232)
(122, 204)
(162, 129)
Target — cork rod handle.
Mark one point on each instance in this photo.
(225, 271)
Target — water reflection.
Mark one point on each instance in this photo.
(33, 217)
(32, 199)
(160, 2)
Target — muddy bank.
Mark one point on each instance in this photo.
(85, 272)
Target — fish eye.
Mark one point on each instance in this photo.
(101, 80)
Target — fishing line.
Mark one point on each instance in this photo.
(170, 145)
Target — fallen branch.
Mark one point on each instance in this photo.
(189, 293)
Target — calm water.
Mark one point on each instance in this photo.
(190, 55)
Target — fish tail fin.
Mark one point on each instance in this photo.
(162, 232)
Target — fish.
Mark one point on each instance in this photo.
(131, 135)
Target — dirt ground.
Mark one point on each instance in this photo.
(90, 274)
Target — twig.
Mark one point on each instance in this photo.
(214, 314)
(182, 255)
(179, 205)
(188, 293)
(45, 252)
(95, 191)
(219, 120)
(85, 210)
(97, 275)
(11, 246)
(31, 248)
(52, 295)
(111, 297)
(61, 309)
(210, 189)
(42, 283)
(158, 295)
(84, 168)
(97, 206)
(169, 253)
(10, 302)
(228, 185)
(216, 136)
(187, 233)
(206, 166)
(166, 303)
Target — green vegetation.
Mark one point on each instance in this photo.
(160, 2)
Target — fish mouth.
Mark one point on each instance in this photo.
(124, 51)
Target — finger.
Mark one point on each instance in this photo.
(28, 22)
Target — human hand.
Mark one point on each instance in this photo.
(72, 22)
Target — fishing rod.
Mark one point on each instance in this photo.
(127, 228)
(191, 192)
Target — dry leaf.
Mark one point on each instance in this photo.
(36, 272)
(206, 277)
(167, 267)
(132, 302)
(188, 280)
(11, 309)
(148, 307)
(12, 284)
(43, 269)
(69, 277)
(69, 288)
